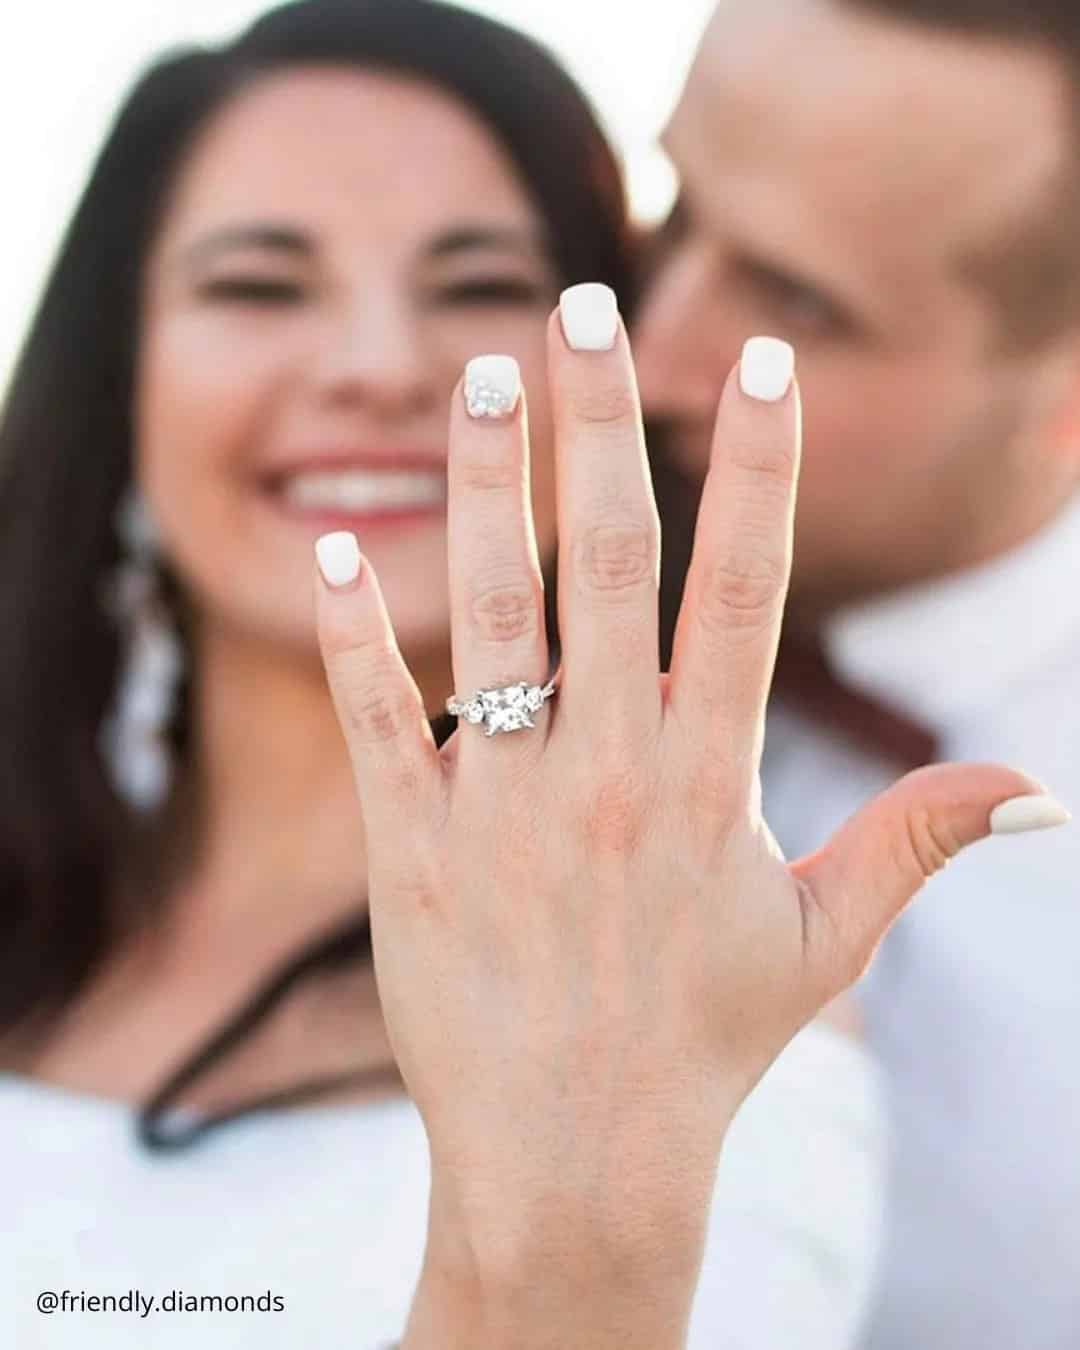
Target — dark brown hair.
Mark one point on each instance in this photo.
(68, 843)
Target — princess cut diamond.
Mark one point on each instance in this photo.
(506, 709)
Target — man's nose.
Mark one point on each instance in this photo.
(679, 372)
(374, 354)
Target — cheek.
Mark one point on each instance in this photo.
(882, 452)
(871, 428)
(199, 404)
(201, 410)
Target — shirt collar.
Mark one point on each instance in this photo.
(946, 648)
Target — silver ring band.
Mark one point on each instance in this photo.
(506, 708)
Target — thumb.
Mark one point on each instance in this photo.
(876, 863)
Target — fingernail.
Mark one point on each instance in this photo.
(590, 317)
(339, 557)
(766, 369)
(492, 386)
(1028, 813)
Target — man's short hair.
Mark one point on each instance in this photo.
(1031, 270)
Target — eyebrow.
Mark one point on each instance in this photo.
(764, 268)
(467, 238)
(298, 243)
(849, 301)
(278, 238)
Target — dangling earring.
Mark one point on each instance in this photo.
(134, 738)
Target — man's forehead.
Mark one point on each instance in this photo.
(877, 131)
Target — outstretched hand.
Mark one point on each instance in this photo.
(587, 943)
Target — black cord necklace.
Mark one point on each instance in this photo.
(162, 1131)
(162, 1134)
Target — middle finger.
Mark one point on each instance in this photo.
(609, 527)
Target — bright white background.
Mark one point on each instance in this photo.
(65, 68)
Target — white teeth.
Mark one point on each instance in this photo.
(363, 490)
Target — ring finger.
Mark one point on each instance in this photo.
(496, 586)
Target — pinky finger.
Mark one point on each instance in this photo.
(396, 764)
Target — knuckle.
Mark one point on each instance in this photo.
(740, 591)
(505, 612)
(616, 558)
(376, 716)
(711, 803)
(415, 883)
(771, 460)
(614, 815)
(487, 475)
(344, 644)
(605, 405)
(377, 707)
(928, 843)
(403, 781)
(711, 791)
(352, 663)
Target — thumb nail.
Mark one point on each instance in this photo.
(1020, 814)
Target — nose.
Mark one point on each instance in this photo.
(374, 356)
(680, 371)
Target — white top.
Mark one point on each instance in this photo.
(325, 1208)
(974, 998)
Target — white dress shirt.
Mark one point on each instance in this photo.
(973, 1001)
(325, 1210)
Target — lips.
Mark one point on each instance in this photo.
(326, 520)
(332, 497)
(365, 490)
(342, 459)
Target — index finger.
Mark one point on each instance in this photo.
(729, 626)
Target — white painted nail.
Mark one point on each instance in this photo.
(1028, 813)
(339, 557)
(590, 317)
(492, 386)
(767, 368)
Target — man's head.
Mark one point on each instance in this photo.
(894, 186)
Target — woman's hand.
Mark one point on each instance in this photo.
(588, 945)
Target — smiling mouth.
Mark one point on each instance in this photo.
(361, 493)
(362, 490)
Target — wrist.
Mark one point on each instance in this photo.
(549, 1306)
(542, 1282)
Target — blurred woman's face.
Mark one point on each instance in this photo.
(337, 245)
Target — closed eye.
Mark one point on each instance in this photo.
(802, 305)
(256, 290)
(492, 291)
